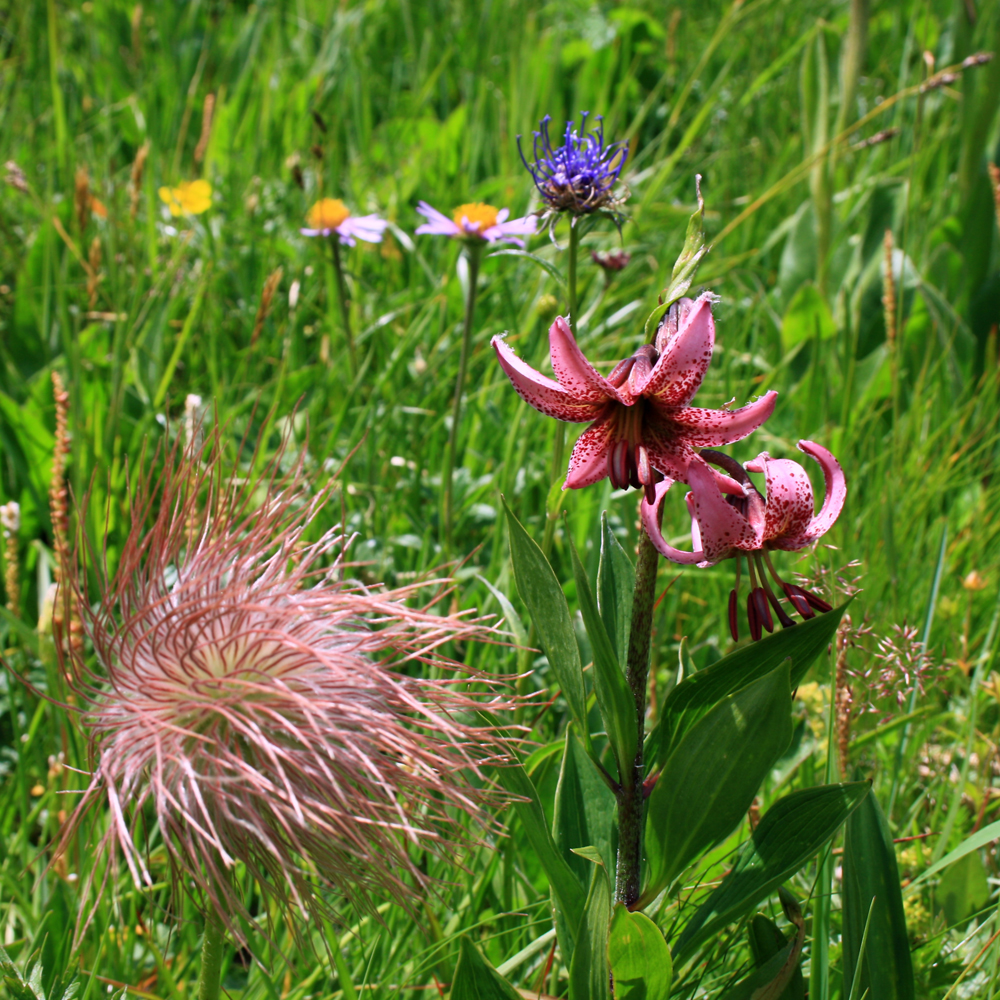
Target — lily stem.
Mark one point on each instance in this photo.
(628, 875)
(559, 438)
(345, 305)
(210, 983)
(473, 253)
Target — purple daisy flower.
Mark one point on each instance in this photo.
(579, 175)
(477, 221)
(331, 215)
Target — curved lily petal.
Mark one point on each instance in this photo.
(541, 392)
(836, 488)
(575, 373)
(589, 462)
(672, 456)
(790, 506)
(711, 428)
(649, 513)
(723, 528)
(678, 373)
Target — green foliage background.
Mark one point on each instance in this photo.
(382, 104)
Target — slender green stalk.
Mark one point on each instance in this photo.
(473, 254)
(210, 982)
(628, 876)
(58, 108)
(559, 438)
(345, 305)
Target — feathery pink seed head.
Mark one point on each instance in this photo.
(250, 696)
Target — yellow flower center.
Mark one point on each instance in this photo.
(479, 216)
(328, 213)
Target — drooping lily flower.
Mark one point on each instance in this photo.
(728, 527)
(578, 176)
(331, 215)
(642, 426)
(475, 222)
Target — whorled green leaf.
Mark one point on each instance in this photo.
(711, 777)
(588, 969)
(787, 836)
(696, 695)
(476, 979)
(614, 699)
(870, 872)
(766, 940)
(641, 967)
(615, 589)
(549, 611)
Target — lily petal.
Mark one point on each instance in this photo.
(711, 428)
(589, 462)
(575, 373)
(723, 528)
(678, 373)
(649, 514)
(790, 506)
(541, 392)
(836, 489)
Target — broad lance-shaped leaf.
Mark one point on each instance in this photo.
(549, 611)
(766, 940)
(641, 968)
(615, 589)
(788, 835)
(476, 979)
(712, 776)
(613, 695)
(588, 968)
(698, 694)
(870, 872)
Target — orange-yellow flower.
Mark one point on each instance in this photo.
(188, 198)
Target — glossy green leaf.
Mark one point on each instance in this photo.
(615, 589)
(788, 835)
(614, 698)
(711, 777)
(641, 967)
(584, 809)
(870, 872)
(566, 887)
(549, 611)
(476, 979)
(963, 889)
(696, 695)
(588, 969)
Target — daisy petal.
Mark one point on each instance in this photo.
(436, 224)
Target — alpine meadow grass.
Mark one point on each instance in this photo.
(226, 223)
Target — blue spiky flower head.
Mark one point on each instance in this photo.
(578, 176)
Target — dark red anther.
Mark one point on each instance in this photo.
(760, 599)
(786, 620)
(754, 618)
(817, 602)
(733, 615)
(797, 597)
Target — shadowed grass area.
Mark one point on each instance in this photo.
(383, 104)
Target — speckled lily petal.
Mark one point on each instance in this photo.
(649, 514)
(711, 428)
(678, 373)
(589, 462)
(575, 373)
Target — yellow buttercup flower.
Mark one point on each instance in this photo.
(188, 198)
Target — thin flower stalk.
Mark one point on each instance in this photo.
(251, 700)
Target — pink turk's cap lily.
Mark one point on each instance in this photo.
(247, 697)
(726, 527)
(477, 221)
(642, 428)
(331, 215)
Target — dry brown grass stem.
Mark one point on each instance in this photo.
(10, 524)
(889, 292)
(206, 128)
(94, 274)
(81, 197)
(135, 184)
(995, 182)
(266, 296)
(844, 697)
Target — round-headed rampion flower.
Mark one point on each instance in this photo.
(265, 710)
(578, 176)
(188, 198)
(728, 527)
(331, 215)
(642, 427)
(475, 222)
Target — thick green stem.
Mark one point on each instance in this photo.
(473, 255)
(210, 983)
(559, 440)
(628, 876)
(345, 305)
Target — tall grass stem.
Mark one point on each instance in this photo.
(345, 305)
